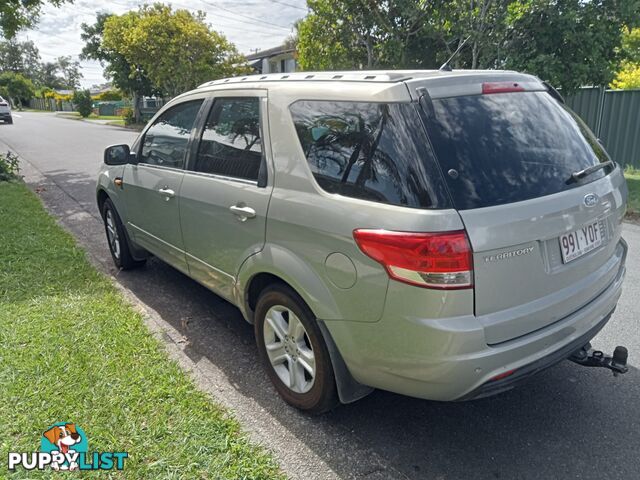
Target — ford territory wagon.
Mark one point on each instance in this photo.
(436, 234)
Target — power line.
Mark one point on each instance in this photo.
(253, 25)
(289, 5)
(246, 16)
(253, 22)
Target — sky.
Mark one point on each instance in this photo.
(249, 24)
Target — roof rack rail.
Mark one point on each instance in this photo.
(370, 76)
(354, 76)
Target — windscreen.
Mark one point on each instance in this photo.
(508, 147)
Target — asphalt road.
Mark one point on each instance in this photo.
(567, 422)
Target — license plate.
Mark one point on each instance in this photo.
(581, 241)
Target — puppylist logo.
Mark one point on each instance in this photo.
(64, 446)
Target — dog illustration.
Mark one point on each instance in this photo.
(63, 437)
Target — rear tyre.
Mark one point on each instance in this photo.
(117, 238)
(293, 351)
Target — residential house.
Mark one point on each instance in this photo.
(278, 59)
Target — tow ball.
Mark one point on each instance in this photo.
(588, 357)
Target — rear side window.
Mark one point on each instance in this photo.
(508, 147)
(165, 142)
(230, 144)
(371, 151)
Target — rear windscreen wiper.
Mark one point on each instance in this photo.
(575, 176)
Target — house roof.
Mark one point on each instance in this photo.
(271, 52)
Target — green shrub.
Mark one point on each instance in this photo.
(9, 167)
(83, 103)
(128, 116)
(109, 95)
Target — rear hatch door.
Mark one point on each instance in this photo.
(545, 243)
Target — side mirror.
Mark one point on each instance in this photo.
(118, 155)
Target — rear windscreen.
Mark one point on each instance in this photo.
(508, 147)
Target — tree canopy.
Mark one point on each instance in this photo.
(629, 74)
(20, 57)
(16, 87)
(125, 76)
(174, 49)
(18, 14)
(24, 58)
(567, 42)
(62, 73)
(631, 44)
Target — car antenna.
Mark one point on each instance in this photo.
(445, 66)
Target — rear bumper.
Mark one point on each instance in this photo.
(519, 376)
(449, 359)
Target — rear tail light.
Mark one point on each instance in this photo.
(440, 260)
(501, 87)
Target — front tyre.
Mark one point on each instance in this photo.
(293, 351)
(117, 239)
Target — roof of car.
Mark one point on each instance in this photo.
(367, 85)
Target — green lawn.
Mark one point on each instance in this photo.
(105, 117)
(118, 121)
(633, 182)
(72, 349)
(76, 116)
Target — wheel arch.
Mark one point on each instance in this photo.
(276, 264)
(253, 280)
(101, 197)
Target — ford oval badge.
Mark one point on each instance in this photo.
(591, 200)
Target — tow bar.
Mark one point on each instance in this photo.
(588, 357)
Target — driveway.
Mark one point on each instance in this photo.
(567, 422)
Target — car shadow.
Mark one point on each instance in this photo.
(566, 422)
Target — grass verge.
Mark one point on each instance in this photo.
(77, 116)
(71, 349)
(633, 183)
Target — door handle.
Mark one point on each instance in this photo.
(243, 212)
(167, 192)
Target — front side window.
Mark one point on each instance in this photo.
(165, 142)
(371, 151)
(230, 144)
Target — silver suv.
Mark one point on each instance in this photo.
(437, 234)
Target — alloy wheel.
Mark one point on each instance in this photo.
(289, 349)
(112, 234)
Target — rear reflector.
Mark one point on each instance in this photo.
(501, 87)
(506, 374)
(441, 260)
